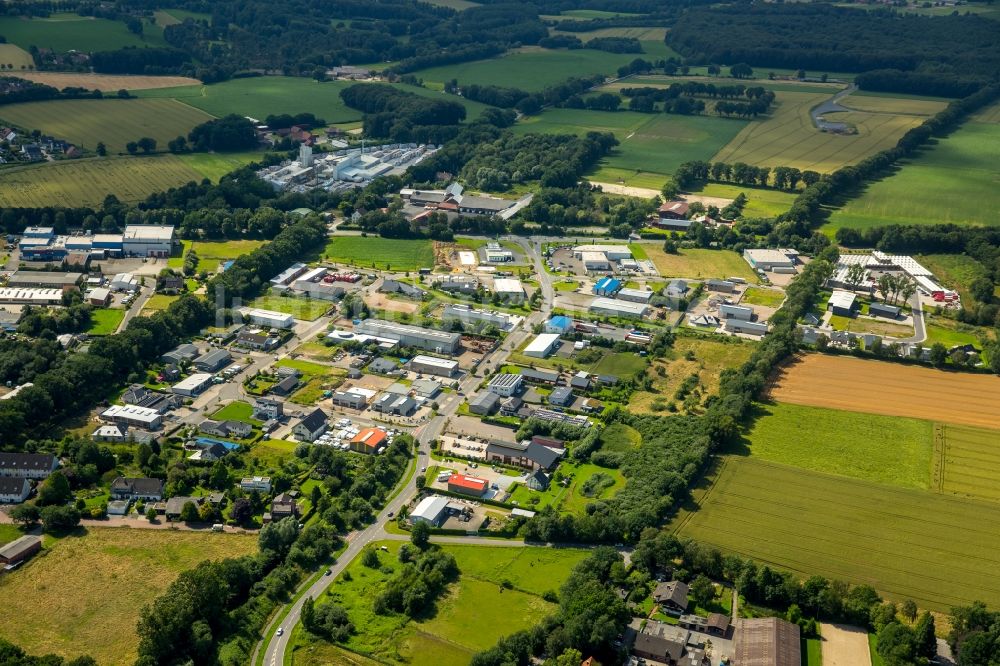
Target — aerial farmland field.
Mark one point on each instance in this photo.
(969, 461)
(962, 164)
(401, 255)
(902, 541)
(66, 31)
(877, 387)
(13, 57)
(86, 182)
(114, 122)
(105, 82)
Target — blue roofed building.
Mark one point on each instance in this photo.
(559, 324)
(607, 286)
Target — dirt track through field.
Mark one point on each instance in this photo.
(877, 387)
(844, 646)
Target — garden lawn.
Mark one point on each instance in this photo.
(105, 321)
(885, 449)
(947, 333)
(305, 309)
(114, 122)
(272, 453)
(382, 253)
(869, 325)
(237, 411)
(156, 303)
(963, 164)
(700, 263)
(622, 364)
(63, 32)
(112, 573)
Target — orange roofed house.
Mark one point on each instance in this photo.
(368, 440)
(467, 485)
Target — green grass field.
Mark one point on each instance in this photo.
(262, 96)
(306, 309)
(812, 652)
(383, 253)
(236, 411)
(951, 334)
(156, 303)
(13, 57)
(473, 613)
(114, 122)
(137, 565)
(86, 182)
(212, 253)
(955, 271)
(66, 32)
(969, 461)
(900, 540)
(700, 263)
(869, 325)
(770, 298)
(620, 437)
(963, 164)
(885, 449)
(216, 165)
(105, 321)
(651, 146)
(272, 453)
(530, 68)
(760, 202)
(788, 138)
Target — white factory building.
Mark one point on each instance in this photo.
(17, 296)
(468, 315)
(509, 289)
(268, 318)
(432, 365)
(133, 416)
(612, 252)
(192, 385)
(442, 342)
(542, 345)
(595, 261)
(614, 308)
(148, 240)
(776, 261)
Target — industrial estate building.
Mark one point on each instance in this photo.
(442, 342)
(432, 365)
(138, 240)
(542, 345)
(614, 308)
(468, 315)
(268, 318)
(776, 261)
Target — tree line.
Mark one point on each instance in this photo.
(690, 174)
(403, 116)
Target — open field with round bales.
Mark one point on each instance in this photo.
(112, 573)
(105, 82)
(114, 122)
(86, 182)
(939, 550)
(893, 389)
(964, 165)
(66, 32)
(788, 137)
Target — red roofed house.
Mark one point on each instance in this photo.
(368, 440)
(674, 210)
(467, 485)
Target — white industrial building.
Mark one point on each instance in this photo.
(612, 252)
(192, 385)
(614, 308)
(125, 282)
(468, 315)
(777, 261)
(542, 345)
(432, 510)
(595, 261)
(133, 416)
(433, 365)
(17, 296)
(509, 289)
(741, 326)
(148, 240)
(411, 336)
(345, 167)
(740, 312)
(281, 281)
(505, 384)
(496, 254)
(268, 318)
(634, 295)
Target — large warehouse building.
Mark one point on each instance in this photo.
(412, 336)
(148, 240)
(615, 308)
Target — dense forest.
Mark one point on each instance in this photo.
(834, 39)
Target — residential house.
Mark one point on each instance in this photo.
(124, 488)
(27, 465)
(510, 406)
(538, 480)
(561, 396)
(233, 429)
(209, 451)
(311, 426)
(283, 506)
(266, 409)
(174, 506)
(14, 490)
(672, 597)
(285, 386)
(260, 484)
(257, 340)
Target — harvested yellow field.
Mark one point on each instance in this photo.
(104, 82)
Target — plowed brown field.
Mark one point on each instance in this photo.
(841, 382)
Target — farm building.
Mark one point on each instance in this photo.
(766, 641)
(634, 295)
(192, 385)
(19, 550)
(778, 261)
(673, 210)
(664, 644)
(27, 465)
(615, 308)
(509, 290)
(842, 303)
(268, 318)
(431, 365)
(543, 345)
(369, 441)
(743, 312)
(505, 384)
(467, 485)
(468, 315)
(607, 286)
(412, 336)
(884, 310)
(612, 252)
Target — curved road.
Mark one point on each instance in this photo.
(276, 648)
